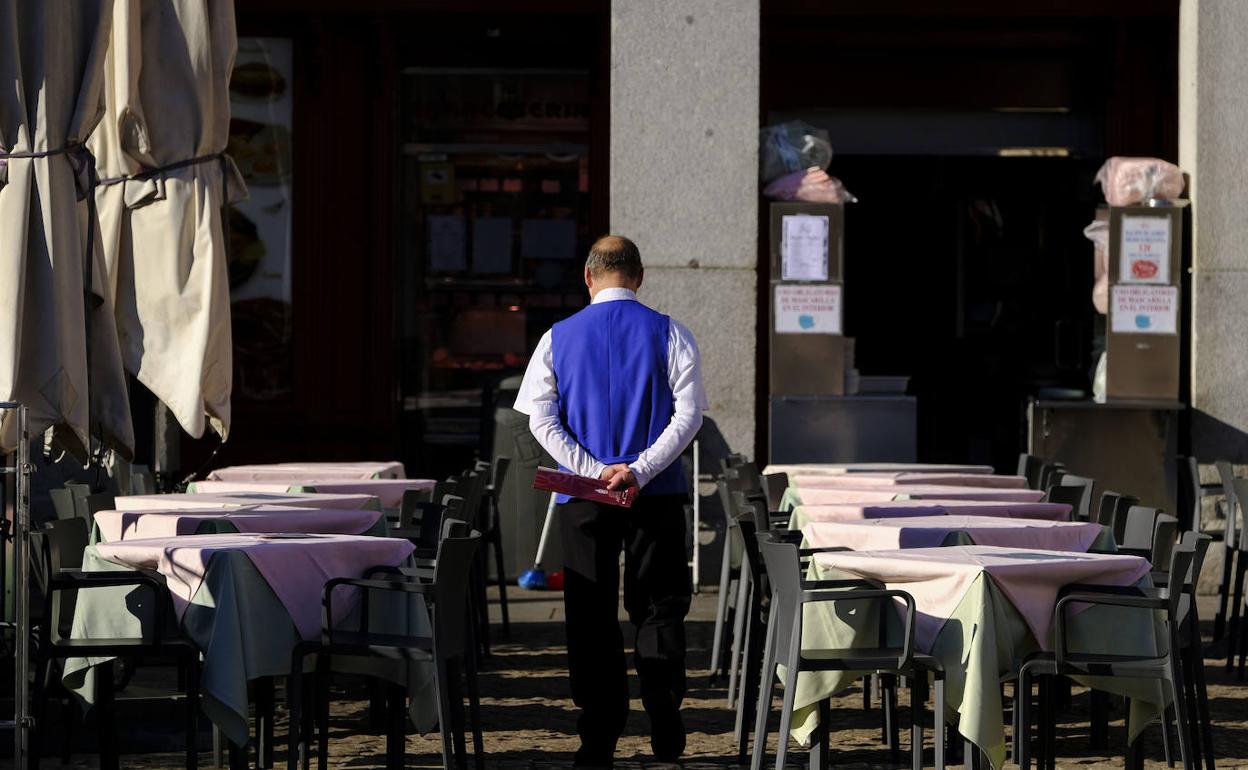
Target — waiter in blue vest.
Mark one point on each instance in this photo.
(615, 392)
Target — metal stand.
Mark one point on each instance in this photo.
(23, 722)
(696, 564)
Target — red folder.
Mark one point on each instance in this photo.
(583, 487)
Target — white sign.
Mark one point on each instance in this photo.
(1145, 253)
(808, 309)
(804, 248)
(1144, 309)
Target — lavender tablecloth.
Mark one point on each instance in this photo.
(294, 472)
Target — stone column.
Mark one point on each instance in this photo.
(1213, 148)
(684, 178)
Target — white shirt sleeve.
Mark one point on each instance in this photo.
(684, 373)
(538, 397)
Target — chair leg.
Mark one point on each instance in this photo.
(295, 735)
(738, 636)
(721, 614)
(888, 689)
(918, 715)
(218, 751)
(1166, 752)
(1202, 706)
(396, 726)
(1224, 592)
(938, 720)
(747, 698)
(322, 711)
(790, 695)
(474, 712)
(866, 691)
(109, 758)
(39, 705)
(263, 688)
(1233, 625)
(1022, 702)
(1098, 728)
(502, 583)
(445, 723)
(766, 687)
(1180, 703)
(192, 711)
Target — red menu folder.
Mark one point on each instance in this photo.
(583, 487)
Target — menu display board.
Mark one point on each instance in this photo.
(804, 248)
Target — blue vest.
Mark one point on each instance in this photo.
(614, 394)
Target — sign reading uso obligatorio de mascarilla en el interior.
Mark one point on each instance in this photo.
(1143, 309)
(808, 309)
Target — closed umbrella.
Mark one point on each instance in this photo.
(58, 341)
(164, 179)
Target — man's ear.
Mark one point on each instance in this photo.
(589, 279)
(640, 277)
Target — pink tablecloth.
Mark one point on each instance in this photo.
(798, 469)
(188, 501)
(823, 495)
(388, 491)
(938, 578)
(296, 472)
(133, 525)
(930, 532)
(894, 508)
(873, 479)
(296, 569)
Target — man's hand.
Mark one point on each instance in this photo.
(618, 476)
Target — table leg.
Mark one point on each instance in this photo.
(239, 759)
(1099, 727)
(109, 759)
(819, 738)
(396, 726)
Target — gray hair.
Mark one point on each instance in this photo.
(614, 254)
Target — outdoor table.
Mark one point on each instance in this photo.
(865, 480)
(802, 514)
(245, 601)
(189, 501)
(111, 526)
(296, 472)
(832, 469)
(388, 491)
(934, 531)
(808, 495)
(981, 610)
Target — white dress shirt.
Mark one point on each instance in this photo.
(539, 399)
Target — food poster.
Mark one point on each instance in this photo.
(261, 105)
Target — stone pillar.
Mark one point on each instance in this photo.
(684, 178)
(1213, 148)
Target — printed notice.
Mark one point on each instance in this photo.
(1145, 253)
(1144, 309)
(446, 243)
(804, 248)
(808, 309)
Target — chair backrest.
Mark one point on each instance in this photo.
(141, 480)
(1241, 521)
(774, 487)
(1189, 481)
(744, 477)
(1181, 559)
(450, 593)
(1226, 473)
(1138, 532)
(502, 464)
(753, 560)
(63, 503)
(1083, 509)
(784, 572)
(733, 460)
(1105, 511)
(1071, 496)
(67, 541)
(725, 499)
(86, 506)
(1050, 474)
(1165, 534)
(1125, 504)
(1029, 468)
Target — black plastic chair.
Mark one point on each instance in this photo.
(1163, 666)
(774, 487)
(493, 533)
(1029, 467)
(1105, 509)
(449, 647)
(1072, 496)
(58, 551)
(789, 595)
(1087, 486)
(1230, 546)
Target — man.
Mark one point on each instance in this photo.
(615, 393)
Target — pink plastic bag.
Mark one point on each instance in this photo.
(1127, 181)
(811, 186)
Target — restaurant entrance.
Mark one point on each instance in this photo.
(971, 138)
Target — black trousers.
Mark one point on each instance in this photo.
(656, 596)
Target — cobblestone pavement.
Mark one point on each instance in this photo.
(530, 721)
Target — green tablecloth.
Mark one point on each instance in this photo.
(1103, 542)
(982, 644)
(244, 632)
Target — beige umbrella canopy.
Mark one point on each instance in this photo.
(164, 179)
(58, 340)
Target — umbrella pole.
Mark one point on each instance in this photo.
(23, 720)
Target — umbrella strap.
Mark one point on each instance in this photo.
(147, 173)
(83, 153)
